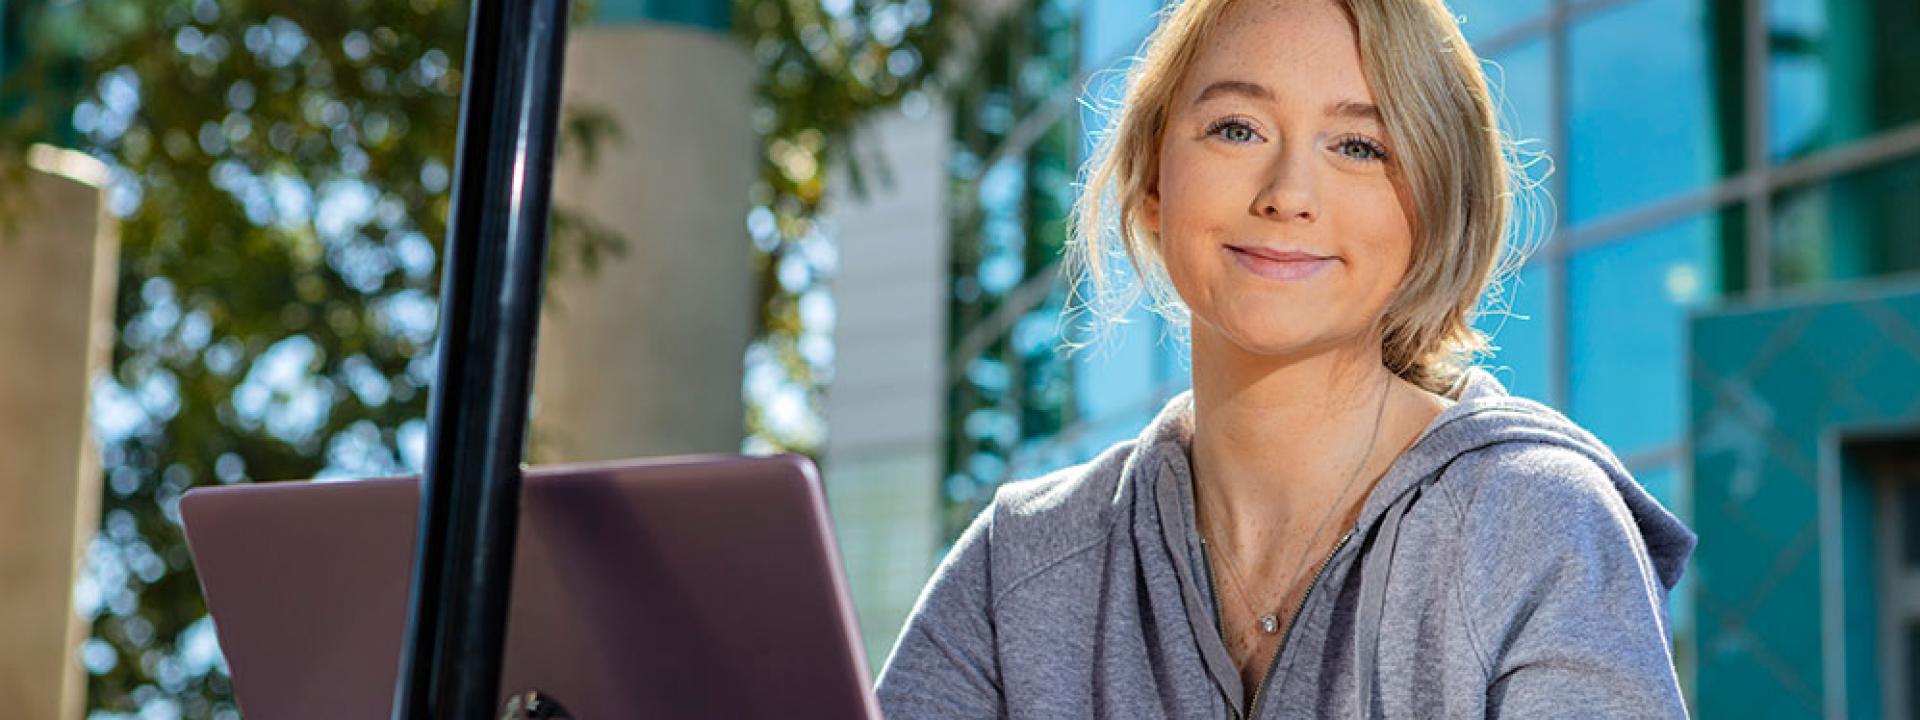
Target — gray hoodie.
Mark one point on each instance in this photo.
(1505, 565)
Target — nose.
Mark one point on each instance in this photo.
(1290, 192)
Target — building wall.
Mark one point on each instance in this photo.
(644, 355)
(882, 460)
(57, 271)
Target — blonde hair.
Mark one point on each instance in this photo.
(1456, 165)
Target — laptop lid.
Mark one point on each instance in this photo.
(697, 586)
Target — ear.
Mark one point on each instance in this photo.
(1150, 210)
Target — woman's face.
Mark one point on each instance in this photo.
(1281, 225)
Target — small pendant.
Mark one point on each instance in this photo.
(1270, 624)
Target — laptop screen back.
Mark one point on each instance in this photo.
(704, 586)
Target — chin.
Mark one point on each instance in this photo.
(1268, 336)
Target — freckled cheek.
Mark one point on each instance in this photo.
(1183, 262)
(1193, 235)
(1380, 236)
(1190, 231)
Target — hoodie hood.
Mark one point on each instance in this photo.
(1484, 414)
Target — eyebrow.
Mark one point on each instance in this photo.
(1344, 108)
(1356, 110)
(1254, 91)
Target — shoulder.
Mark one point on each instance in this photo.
(1523, 485)
(1555, 583)
(1537, 514)
(1039, 521)
(1078, 495)
(1512, 454)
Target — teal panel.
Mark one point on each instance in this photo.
(1726, 344)
(1863, 608)
(715, 15)
(1785, 624)
(1885, 384)
(1765, 385)
(1794, 385)
(1760, 694)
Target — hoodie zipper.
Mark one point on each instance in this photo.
(1213, 593)
(1253, 707)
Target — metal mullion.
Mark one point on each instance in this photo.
(1575, 9)
(1515, 36)
(1558, 14)
(1888, 146)
(1660, 213)
(1759, 191)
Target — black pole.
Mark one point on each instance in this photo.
(490, 289)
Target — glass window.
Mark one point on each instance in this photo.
(1113, 29)
(1115, 375)
(1522, 81)
(1662, 483)
(1521, 332)
(1859, 225)
(1481, 20)
(1644, 103)
(1626, 308)
(1839, 70)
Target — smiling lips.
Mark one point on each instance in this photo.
(1280, 264)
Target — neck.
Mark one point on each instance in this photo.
(1278, 439)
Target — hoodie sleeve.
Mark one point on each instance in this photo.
(944, 665)
(1563, 603)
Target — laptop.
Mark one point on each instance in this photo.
(677, 587)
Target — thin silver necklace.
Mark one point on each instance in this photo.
(1270, 622)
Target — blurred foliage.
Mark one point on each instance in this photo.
(281, 174)
(823, 68)
(1016, 146)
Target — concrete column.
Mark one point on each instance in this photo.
(886, 408)
(646, 357)
(57, 275)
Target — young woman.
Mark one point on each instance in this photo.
(1344, 517)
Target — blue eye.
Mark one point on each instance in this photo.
(1234, 131)
(1361, 149)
